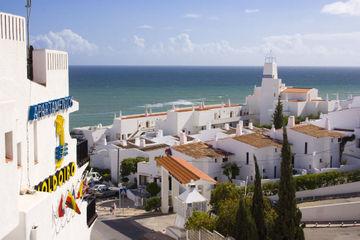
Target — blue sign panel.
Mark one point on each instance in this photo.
(44, 109)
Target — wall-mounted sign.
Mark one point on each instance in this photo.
(61, 176)
(46, 108)
(62, 150)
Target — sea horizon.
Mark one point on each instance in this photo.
(105, 90)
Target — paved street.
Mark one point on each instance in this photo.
(348, 233)
(130, 223)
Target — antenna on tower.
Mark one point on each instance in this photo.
(269, 57)
(29, 48)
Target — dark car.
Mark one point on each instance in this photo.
(106, 193)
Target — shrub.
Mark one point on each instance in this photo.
(200, 220)
(129, 165)
(153, 188)
(152, 203)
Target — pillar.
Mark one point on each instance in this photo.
(164, 190)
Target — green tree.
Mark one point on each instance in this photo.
(200, 220)
(129, 165)
(278, 119)
(226, 217)
(258, 204)
(153, 188)
(288, 221)
(246, 229)
(231, 170)
(223, 191)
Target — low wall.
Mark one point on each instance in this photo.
(332, 212)
(326, 191)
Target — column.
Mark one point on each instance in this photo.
(164, 190)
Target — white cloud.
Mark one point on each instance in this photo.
(350, 7)
(139, 42)
(251, 10)
(315, 44)
(65, 40)
(192, 15)
(145, 26)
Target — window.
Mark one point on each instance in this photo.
(309, 166)
(8, 146)
(274, 171)
(331, 161)
(358, 143)
(306, 148)
(264, 170)
(251, 178)
(215, 178)
(276, 150)
(147, 124)
(320, 160)
(170, 183)
(339, 139)
(231, 114)
(247, 158)
(215, 160)
(293, 159)
(225, 159)
(332, 140)
(18, 151)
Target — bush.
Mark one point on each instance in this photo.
(313, 181)
(153, 188)
(129, 165)
(152, 203)
(200, 220)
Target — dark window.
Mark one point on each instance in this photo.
(215, 178)
(293, 160)
(264, 170)
(91, 211)
(358, 143)
(306, 148)
(225, 159)
(170, 183)
(331, 160)
(274, 171)
(231, 114)
(275, 149)
(309, 166)
(247, 158)
(320, 160)
(82, 153)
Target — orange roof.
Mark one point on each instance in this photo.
(315, 131)
(296, 90)
(143, 115)
(182, 170)
(257, 140)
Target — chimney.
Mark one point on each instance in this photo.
(208, 126)
(183, 138)
(251, 126)
(215, 145)
(120, 114)
(137, 141)
(291, 121)
(229, 102)
(239, 129)
(327, 124)
(160, 133)
(327, 97)
(142, 143)
(226, 127)
(273, 131)
(124, 143)
(307, 120)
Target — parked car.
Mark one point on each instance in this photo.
(106, 192)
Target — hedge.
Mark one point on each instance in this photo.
(313, 181)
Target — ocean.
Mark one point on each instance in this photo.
(105, 90)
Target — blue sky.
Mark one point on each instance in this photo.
(197, 32)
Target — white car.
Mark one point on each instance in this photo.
(93, 176)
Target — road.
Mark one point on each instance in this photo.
(346, 233)
(124, 229)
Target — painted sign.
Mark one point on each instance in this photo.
(46, 108)
(62, 150)
(61, 176)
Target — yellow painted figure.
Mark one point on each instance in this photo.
(60, 150)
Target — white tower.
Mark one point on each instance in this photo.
(270, 89)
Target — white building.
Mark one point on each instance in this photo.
(38, 160)
(296, 101)
(176, 176)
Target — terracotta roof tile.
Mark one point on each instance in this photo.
(200, 150)
(315, 131)
(296, 90)
(257, 140)
(182, 170)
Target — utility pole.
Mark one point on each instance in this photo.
(28, 13)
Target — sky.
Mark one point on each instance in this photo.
(197, 32)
